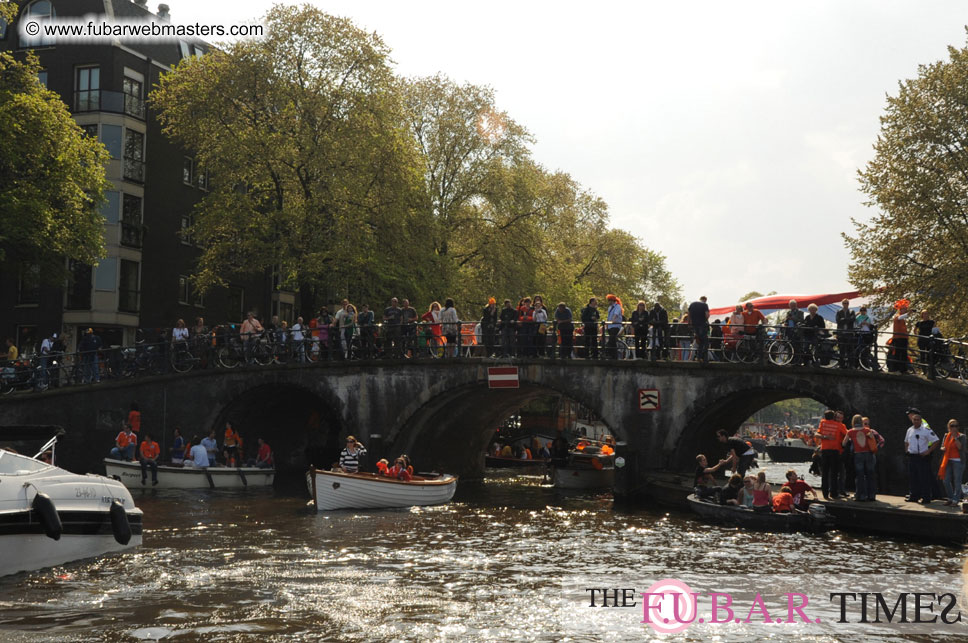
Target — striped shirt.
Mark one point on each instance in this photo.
(351, 461)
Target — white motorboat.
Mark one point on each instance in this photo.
(50, 516)
(338, 490)
(129, 474)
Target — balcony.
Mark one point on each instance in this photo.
(101, 100)
(133, 170)
(129, 301)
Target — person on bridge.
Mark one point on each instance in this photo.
(659, 319)
(251, 331)
(792, 322)
(919, 443)
(125, 444)
(149, 459)
(614, 317)
(640, 329)
(450, 327)
(846, 320)
(739, 453)
(897, 358)
(699, 317)
(566, 330)
(953, 463)
(832, 435)
(589, 320)
(489, 319)
(349, 458)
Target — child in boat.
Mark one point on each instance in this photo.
(383, 466)
(400, 471)
(762, 494)
(783, 501)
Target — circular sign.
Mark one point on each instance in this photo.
(619, 462)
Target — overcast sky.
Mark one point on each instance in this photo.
(726, 135)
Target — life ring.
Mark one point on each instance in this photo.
(43, 506)
(119, 523)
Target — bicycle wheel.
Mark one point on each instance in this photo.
(780, 352)
(746, 351)
(182, 360)
(226, 357)
(825, 354)
(262, 353)
(866, 359)
(622, 349)
(156, 365)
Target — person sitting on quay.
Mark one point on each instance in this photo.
(211, 446)
(705, 484)
(400, 470)
(177, 447)
(349, 458)
(125, 444)
(730, 492)
(799, 490)
(740, 454)
(783, 501)
(196, 456)
(866, 442)
(952, 467)
(149, 459)
(919, 443)
(762, 494)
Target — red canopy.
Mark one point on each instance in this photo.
(781, 302)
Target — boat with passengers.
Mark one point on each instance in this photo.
(175, 477)
(340, 490)
(816, 519)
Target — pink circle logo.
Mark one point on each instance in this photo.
(669, 606)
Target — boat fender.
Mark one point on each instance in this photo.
(335, 485)
(119, 523)
(43, 506)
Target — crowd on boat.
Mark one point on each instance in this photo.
(843, 457)
(131, 445)
(353, 457)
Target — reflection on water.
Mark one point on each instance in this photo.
(251, 565)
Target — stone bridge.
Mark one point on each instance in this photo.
(443, 414)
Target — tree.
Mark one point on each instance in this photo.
(916, 245)
(51, 176)
(314, 171)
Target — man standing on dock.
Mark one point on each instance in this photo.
(919, 443)
(831, 434)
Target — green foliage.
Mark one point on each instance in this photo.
(916, 245)
(51, 176)
(8, 11)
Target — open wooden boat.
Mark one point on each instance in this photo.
(50, 516)
(816, 520)
(337, 490)
(129, 473)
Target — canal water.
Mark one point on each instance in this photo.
(500, 563)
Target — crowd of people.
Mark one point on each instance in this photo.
(131, 446)
(843, 456)
(352, 459)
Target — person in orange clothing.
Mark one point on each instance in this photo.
(149, 458)
(231, 445)
(783, 501)
(125, 444)
(400, 470)
(831, 434)
(134, 417)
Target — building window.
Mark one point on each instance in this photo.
(198, 300)
(78, 286)
(27, 341)
(202, 179)
(111, 139)
(131, 221)
(87, 89)
(134, 104)
(129, 294)
(90, 130)
(184, 290)
(188, 170)
(41, 75)
(28, 285)
(235, 299)
(187, 221)
(111, 206)
(40, 12)
(106, 275)
(134, 156)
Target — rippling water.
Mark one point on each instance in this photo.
(263, 566)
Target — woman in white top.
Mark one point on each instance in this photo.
(180, 332)
(449, 325)
(540, 317)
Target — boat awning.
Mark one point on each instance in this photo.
(827, 303)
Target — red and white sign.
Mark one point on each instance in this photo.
(648, 399)
(502, 377)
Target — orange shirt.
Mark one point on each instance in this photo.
(125, 439)
(783, 502)
(832, 435)
(231, 438)
(900, 327)
(134, 419)
(752, 319)
(150, 450)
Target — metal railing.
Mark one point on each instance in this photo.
(225, 347)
